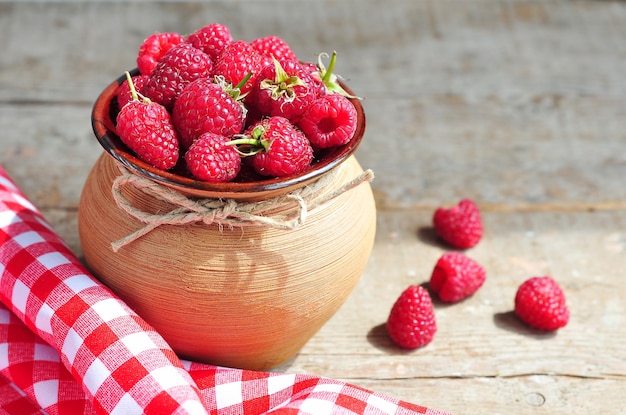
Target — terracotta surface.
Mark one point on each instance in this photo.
(247, 297)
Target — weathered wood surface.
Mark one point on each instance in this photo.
(520, 105)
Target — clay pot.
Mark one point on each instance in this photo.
(247, 297)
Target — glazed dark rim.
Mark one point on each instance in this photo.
(103, 123)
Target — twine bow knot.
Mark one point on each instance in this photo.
(282, 212)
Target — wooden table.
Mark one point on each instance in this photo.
(519, 105)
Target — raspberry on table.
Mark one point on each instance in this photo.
(181, 65)
(411, 323)
(456, 277)
(205, 106)
(211, 39)
(153, 48)
(211, 159)
(330, 121)
(461, 225)
(540, 303)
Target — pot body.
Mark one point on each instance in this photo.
(246, 297)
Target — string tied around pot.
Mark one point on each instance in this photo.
(286, 211)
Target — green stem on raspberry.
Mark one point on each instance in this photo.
(282, 84)
(257, 132)
(133, 92)
(233, 91)
(243, 81)
(245, 146)
(243, 141)
(329, 78)
(327, 72)
(252, 144)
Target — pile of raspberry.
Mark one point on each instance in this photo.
(539, 301)
(218, 109)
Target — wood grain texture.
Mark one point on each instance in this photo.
(519, 104)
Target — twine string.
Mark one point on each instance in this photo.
(225, 212)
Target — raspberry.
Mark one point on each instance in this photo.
(237, 60)
(284, 89)
(204, 106)
(211, 39)
(274, 47)
(318, 86)
(153, 48)
(411, 322)
(540, 303)
(277, 147)
(461, 225)
(210, 159)
(145, 127)
(124, 94)
(329, 122)
(181, 65)
(456, 277)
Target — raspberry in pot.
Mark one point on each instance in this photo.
(284, 89)
(274, 47)
(124, 94)
(146, 128)
(181, 65)
(330, 121)
(211, 159)
(205, 106)
(237, 60)
(153, 48)
(211, 39)
(275, 147)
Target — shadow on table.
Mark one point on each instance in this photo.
(427, 235)
(379, 338)
(510, 322)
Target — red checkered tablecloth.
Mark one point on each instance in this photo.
(68, 345)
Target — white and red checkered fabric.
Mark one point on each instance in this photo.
(68, 345)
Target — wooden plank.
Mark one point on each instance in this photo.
(536, 153)
(524, 395)
(482, 358)
(510, 49)
(48, 150)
